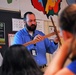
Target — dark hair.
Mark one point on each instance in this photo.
(27, 13)
(68, 23)
(73, 49)
(68, 18)
(17, 60)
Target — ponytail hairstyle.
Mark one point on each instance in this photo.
(73, 45)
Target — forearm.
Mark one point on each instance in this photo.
(58, 60)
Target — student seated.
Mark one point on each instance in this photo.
(17, 60)
(68, 26)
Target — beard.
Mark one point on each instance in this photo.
(31, 28)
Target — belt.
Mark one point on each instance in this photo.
(43, 66)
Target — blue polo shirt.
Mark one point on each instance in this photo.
(41, 47)
(72, 66)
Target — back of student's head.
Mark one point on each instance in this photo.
(18, 60)
(68, 18)
(68, 23)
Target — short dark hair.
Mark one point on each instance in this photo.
(68, 18)
(26, 14)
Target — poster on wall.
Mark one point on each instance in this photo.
(10, 39)
(51, 29)
(17, 24)
(40, 25)
(2, 33)
(43, 9)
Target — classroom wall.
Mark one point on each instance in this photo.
(25, 5)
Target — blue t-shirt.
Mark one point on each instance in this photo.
(41, 47)
(72, 67)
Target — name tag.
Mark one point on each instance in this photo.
(33, 52)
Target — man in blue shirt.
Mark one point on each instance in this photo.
(29, 33)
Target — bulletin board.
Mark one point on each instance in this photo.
(6, 18)
(2, 33)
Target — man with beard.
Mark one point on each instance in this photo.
(29, 33)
